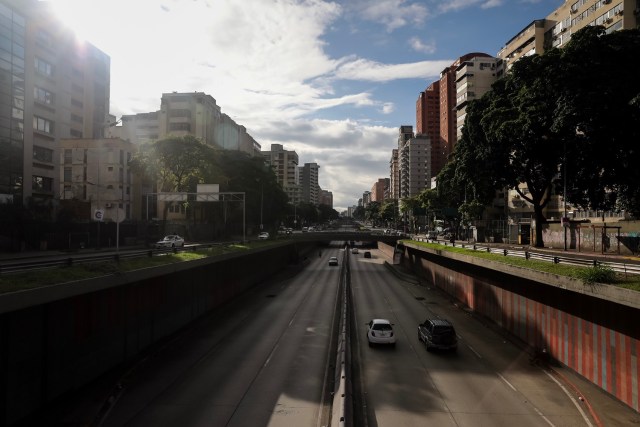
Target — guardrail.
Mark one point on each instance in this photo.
(22, 265)
(618, 267)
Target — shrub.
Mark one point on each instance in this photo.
(598, 274)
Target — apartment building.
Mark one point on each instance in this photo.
(428, 123)
(52, 86)
(474, 77)
(440, 109)
(380, 190)
(285, 165)
(556, 29)
(96, 171)
(394, 175)
(415, 171)
(326, 198)
(191, 113)
(309, 184)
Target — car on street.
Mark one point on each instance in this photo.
(333, 260)
(380, 331)
(438, 333)
(170, 241)
(263, 235)
(367, 254)
(354, 251)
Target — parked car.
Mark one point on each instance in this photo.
(333, 260)
(263, 235)
(367, 254)
(380, 331)
(439, 334)
(170, 241)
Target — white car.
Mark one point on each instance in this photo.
(263, 236)
(380, 331)
(354, 251)
(333, 260)
(170, 241)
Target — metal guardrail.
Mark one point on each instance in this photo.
(53, 261)
(618, 267)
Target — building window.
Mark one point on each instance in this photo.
(42, 125)
(180, 126)
(177, 208)
(67, 156)
(76, 118)
(42, 183)
(76, 133)
(67, 174)
(76, 103)
(42, 154)
(180, 113)
(43, 96)
(43, 67)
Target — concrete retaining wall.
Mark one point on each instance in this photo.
(592, 329)
(56, 339)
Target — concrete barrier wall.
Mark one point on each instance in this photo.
(57, 339)
(591, 329)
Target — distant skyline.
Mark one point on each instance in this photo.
(331, 80)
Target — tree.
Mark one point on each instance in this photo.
(174, 164)
(599, 112)
(388, 212)
(372, 212)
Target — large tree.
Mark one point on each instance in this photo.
(598, 111)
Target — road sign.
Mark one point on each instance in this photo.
(98, 215)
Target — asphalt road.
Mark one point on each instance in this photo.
(487, 382)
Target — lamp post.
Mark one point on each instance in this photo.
(564, 221)
(261, 202)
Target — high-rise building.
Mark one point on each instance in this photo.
(309, 186)
(380, 190)
(448, 102)
(394, 175)
(414, 154)
(285, 165)
(428, 123)
(52, 86)
(474, 77)
(326, 198)
(191, 113)
(556, 29)
(97, 171)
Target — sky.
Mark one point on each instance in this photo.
(331, 80)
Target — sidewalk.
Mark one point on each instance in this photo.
(583, 254)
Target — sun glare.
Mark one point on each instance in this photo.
(74, 15)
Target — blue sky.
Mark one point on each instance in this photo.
(332, 80)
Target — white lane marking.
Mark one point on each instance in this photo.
(543, 417)
(474, 351)
(575, 402)
(507, 382)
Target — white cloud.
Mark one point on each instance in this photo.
(364, 69)
(422, 47)
(266, 65)
(393, 14)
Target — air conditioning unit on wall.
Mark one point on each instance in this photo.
(107, 205)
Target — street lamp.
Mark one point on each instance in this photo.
(261, 201)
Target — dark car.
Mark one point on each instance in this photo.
(439, 334)
(367, 254)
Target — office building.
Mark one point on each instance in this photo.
(285, 166)
(191, 113)
(52, 86)
(309, 186)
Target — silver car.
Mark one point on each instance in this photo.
(170, 241)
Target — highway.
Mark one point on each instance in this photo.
(267, 360)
